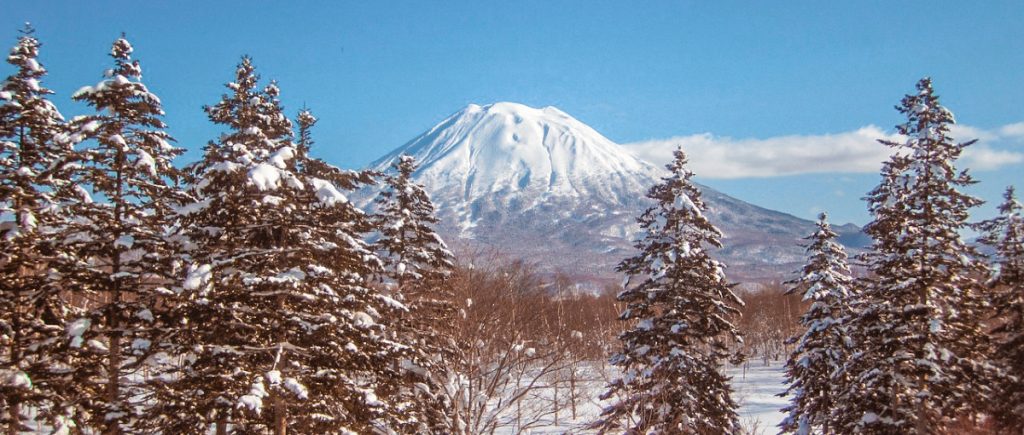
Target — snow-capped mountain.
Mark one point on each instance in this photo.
(541, 185)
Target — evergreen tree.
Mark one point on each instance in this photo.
(672, 357)
(123, 258)
(405, 218)
(278, 327)
(417, 265)
(33, 152)
(920, 356)
(813, 370)
(1005, 234)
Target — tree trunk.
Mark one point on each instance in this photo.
(924, 424)
(114, 357)
(15, 351)
(280, 417)
(555, 397)
(114, 308)
(519, 416)
(572, 390)
(113, 380)
(222, 424)
(15, 423)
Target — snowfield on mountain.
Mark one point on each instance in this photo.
(538, 183)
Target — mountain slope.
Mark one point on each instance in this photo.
(541, 185)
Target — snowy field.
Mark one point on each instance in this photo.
(756, 389)
(756, 392)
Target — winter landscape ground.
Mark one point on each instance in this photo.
(757, 386)
(757, 392)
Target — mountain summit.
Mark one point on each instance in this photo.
(510, 147)
(541, 185)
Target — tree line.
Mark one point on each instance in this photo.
(929, 341)
(243, 293)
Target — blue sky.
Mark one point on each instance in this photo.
(790, 92)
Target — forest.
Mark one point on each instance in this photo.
(245, 292)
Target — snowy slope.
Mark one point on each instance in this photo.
(541, 185)
(513, 150)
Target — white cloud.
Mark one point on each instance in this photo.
(984, 158)
(961, 132)
(1013, 130)
(855, 151)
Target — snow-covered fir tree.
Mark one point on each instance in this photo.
(33, 151)
(813, 370)
(1005, 234)
(671, 358)
(417, 264)
(412, 249)
(920, 349)
(279, 330)
(123, 259)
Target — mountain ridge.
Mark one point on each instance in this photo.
(539, 184)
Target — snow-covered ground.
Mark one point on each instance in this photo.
(756, 388)
(756, 392)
